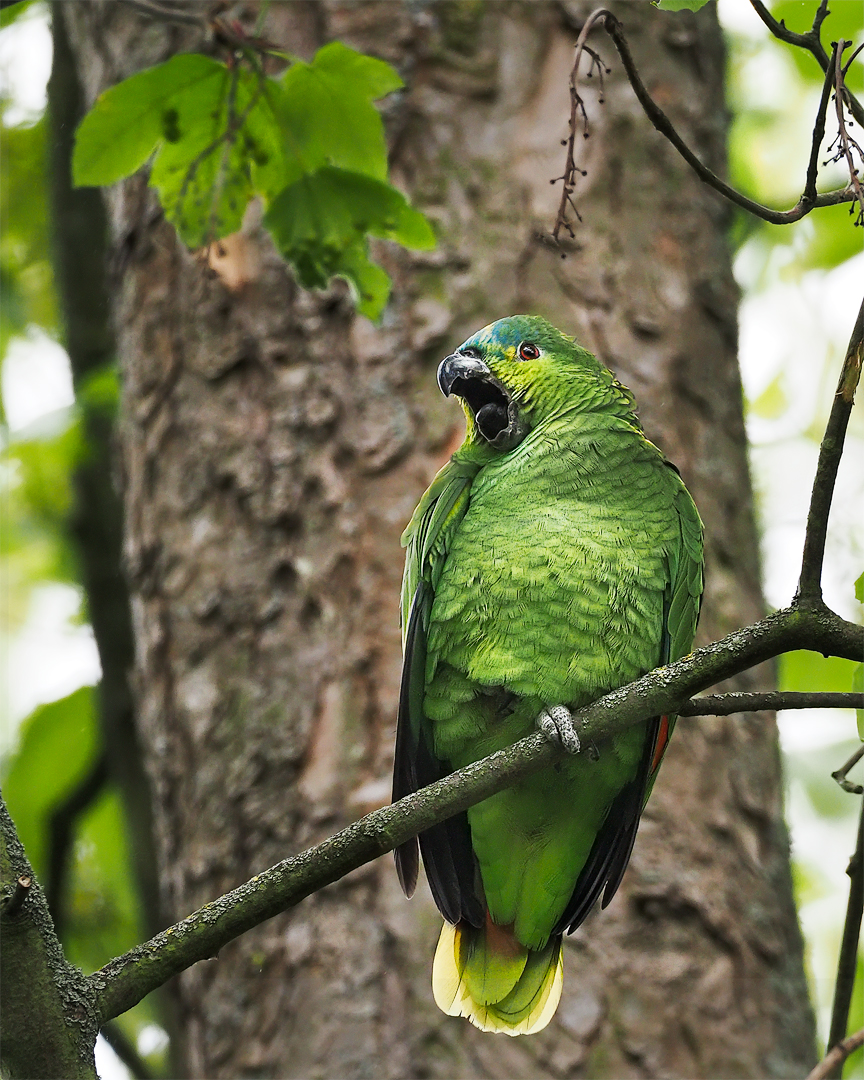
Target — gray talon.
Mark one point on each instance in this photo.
(557, 725)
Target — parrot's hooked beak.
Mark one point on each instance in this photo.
(495, 413)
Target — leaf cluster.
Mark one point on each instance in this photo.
(309, 144)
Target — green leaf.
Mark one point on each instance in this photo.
(859, 589)
(36, 492)
(680, 5)
(58, 744)
(804, 670)
(361, 74)
(26, 282)
(99, 391)
(858, 687)
(226, 147)
(312, 144)
(327, 116)
(370, 285)
(320, 224)
(124, 126)
(834, 240)
(104, 910)
(9, 14)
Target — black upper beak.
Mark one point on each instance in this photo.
(496, 415)
(456, 366)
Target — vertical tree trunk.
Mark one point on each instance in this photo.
(274, 444)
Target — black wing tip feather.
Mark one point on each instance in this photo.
(610, 855)
(446, 848)
(407, 866)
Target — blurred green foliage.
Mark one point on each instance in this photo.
(27, 294)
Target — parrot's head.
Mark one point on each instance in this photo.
(515, 372)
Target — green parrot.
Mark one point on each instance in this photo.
(555, 557)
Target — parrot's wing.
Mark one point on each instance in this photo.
(446, 848)
(613, 846)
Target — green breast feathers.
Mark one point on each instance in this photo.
(555, 557)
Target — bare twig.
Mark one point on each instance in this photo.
(811, 41)
(837, 1056)
(577, 109)
(818, 135)
(830, 452)
(848, 960)
(128, 978)
(841, 773)
(770, 701)
(14, 903)
(603, 17)
(846, 144)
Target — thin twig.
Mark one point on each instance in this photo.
(126, 979)
(661, 122)
(810, 41)
(15, 901)
(830, 452)
(848, 960)
(841, 773)
(818, 135)
(577, 108)
(837, 1056)
(769, 701)
(846, 143)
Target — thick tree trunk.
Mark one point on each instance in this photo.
(274, 444)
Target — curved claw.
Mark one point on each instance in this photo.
(557, 724)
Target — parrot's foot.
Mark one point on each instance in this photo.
(559, 727)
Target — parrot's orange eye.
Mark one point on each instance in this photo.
(527, 351)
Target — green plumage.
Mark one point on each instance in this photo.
(557, 556)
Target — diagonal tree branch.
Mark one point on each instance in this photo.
(603, 17)
(848, 959)
(128, 978)
(836, 1056)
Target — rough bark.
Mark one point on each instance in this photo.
(274, 445)
(46, 1015)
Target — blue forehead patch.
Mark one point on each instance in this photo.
(515, 329)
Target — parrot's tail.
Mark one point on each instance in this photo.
(500, 985)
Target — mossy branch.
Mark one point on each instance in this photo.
(128, 978)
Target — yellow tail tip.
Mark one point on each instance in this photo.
(452, 995)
